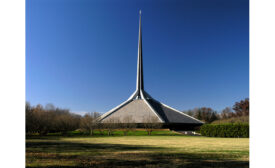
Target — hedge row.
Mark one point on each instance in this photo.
(225, 130)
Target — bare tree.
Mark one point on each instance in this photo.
(89, 122)
(111, 124)
(242, 108)
(43, 120)
(66, 121)
(100, 127)
(49, 119)
(151, 123)
(128, 124)
(190, 113)
(36, 120)
(226, 113)
(31, 121)
(50, 107)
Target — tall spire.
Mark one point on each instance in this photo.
(139, 85)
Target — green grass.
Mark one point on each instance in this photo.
(138, 132)
(163, 149)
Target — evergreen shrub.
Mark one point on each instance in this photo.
(225, 130)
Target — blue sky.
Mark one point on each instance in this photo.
(81, 54)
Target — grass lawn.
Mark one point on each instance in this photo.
(162, 149)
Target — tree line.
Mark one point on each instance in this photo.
(208, 115)
(43, 120)
(50, 119)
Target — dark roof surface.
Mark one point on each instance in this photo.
(170, 115)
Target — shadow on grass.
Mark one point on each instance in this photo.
(60, 154)
(70, 147)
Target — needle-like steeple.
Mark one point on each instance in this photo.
(139, 86)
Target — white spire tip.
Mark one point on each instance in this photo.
(140, 12)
